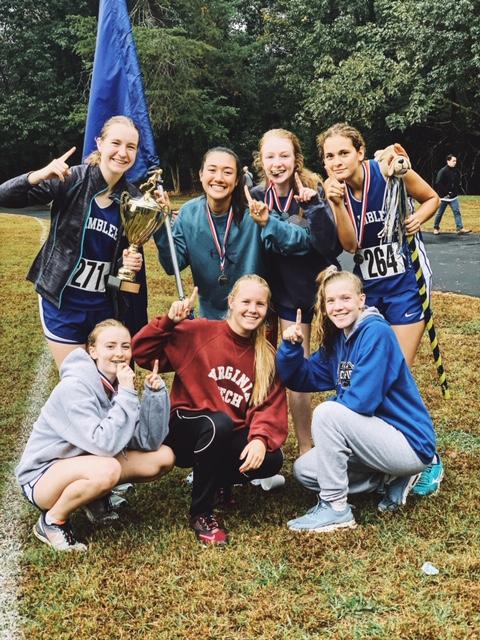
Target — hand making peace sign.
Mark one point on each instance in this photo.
(56, 169)
(294, 333)
(258, 210)
(181, 309)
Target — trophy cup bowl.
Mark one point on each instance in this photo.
(141, 217)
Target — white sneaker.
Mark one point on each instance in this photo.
(267, 484)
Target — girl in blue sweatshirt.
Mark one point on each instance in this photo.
(375, 434)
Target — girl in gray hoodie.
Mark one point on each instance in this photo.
(93, 433)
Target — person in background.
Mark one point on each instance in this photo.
(447, 184)
(247, 177)
(92, 434)
(375, 434)
(85, 242)
(229, 410)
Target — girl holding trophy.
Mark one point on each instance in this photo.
(85, 242)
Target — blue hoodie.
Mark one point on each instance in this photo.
(369, 373)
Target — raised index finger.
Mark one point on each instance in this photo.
(67, 154)
(298, 182)
(155, 367)
(298, 319)
(247, 195)
(193, 297)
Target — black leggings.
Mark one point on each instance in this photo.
(207, 442)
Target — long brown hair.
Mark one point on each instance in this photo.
(308, 178)
(94, 157)
(323, 328)
(264, 352)
(340, 129)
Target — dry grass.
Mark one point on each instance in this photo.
(470, 210)
(146, 578)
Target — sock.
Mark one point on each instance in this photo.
(339, 505)
(50, 520)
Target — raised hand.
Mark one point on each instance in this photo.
(252, 455)
(294, 333)
(258, 210)
(334, 189)
(125, 376)
(305, 194)
(153, 380)
(132, 261)
(56, 169)
(181, 309)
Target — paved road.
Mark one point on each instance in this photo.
(455, 259)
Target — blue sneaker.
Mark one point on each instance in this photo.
(430, 479)
(322, 518)
(396, 492)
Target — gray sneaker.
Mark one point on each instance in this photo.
(396, 492)
(58, 536)
(104, 510)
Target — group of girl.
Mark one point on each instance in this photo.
(228, 416)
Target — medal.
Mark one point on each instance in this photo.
(358, 258)
(221, 248)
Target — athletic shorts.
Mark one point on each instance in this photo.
(399, 308)
(286, 313)
(70, 326)
(27, 489)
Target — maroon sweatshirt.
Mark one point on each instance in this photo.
(214, 371)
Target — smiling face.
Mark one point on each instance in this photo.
(343, 303)
(248, 307)
(112, 345)
(219, 178)
(342, 159)
(118, 150)
(278, 162)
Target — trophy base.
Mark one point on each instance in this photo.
(122, 285)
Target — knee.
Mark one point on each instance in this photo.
(164, 461)
(108, 476)
(223, 425)
(327, 416)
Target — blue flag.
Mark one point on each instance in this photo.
(117, 86)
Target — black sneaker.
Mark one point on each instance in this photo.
(208, 530)
(58, 536)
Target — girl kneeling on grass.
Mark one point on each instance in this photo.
(376, 433)
(229, 411)
(92, 434)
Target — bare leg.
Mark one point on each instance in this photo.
(60, 350)
(409, 337)
(300, 403)
(73, 482)
(144, 466)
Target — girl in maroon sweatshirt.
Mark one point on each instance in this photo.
(229, 411)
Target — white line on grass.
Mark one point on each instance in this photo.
(12, 503)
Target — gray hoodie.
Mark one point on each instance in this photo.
(78, 418)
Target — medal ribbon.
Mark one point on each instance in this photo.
(109, 388)
(221, 249)
(360, 231)
(271, 197)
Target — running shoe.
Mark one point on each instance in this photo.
(208, 530)
(396, 492)
(267, 484)
(58, 536)
(430, 480)
(104, 510)
(322, 518)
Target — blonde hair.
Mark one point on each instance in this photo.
(94, 157)
(98, 328)
(340, 129)
(264, 351)
(323, 328)
(308, 178)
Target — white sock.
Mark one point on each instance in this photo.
(339, 505)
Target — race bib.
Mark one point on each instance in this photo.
(90, 275)
(382, 261)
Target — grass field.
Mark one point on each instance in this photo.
(147, 578)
